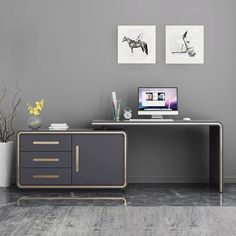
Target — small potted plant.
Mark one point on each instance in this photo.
(35, 120)
(7, 115)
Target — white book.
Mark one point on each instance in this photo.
(50, 128)
(62, 126)
(59, 127)
(59, 124)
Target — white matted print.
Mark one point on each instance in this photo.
(137, 44)
(185, 44)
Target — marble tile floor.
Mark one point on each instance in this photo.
(141, 209)
(134, 195)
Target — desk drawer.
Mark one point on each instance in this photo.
(45, 142)
(45, 176)
(45, 159)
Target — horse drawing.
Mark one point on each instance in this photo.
(186, 47)
(137, 43)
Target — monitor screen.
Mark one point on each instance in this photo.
(158, 99)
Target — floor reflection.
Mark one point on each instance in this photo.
(134, 195)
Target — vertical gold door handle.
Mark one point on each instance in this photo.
(77, 158)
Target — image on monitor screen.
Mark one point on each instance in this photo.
(158, 99)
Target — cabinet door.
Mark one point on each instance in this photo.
(98, 159)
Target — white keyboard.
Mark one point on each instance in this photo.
(152, 120)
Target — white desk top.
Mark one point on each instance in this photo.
(154, 123)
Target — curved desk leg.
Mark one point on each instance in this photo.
(216, 156)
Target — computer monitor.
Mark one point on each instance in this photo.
(158, 101)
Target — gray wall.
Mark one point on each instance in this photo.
(65, 51)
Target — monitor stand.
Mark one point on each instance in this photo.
(157, 117)
(160, 118)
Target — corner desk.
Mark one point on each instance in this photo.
(215, 140)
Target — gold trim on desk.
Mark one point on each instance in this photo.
(46, 176)
(77, 158)
(71, 186)
(50, 159)
(74, 198)
(46, 142)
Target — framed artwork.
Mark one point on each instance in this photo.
(185, 44)
(136, 44)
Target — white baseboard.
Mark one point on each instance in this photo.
(166, 180)
(175, 180)
(230, 180)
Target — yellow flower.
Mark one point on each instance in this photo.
(42, 103)
(36, 113)
(36, 109)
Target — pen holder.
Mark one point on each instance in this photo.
(116, 111)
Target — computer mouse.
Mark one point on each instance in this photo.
(187, 119)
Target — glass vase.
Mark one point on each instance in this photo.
(34, 122)
(116, 111)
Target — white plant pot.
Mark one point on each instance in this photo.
(6, 157)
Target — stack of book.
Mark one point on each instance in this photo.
(59, 126)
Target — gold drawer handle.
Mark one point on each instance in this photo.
(45, 142)
(77, 158)
(46, 176)
(37, 159)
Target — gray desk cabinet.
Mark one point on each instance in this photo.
(71, 159)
